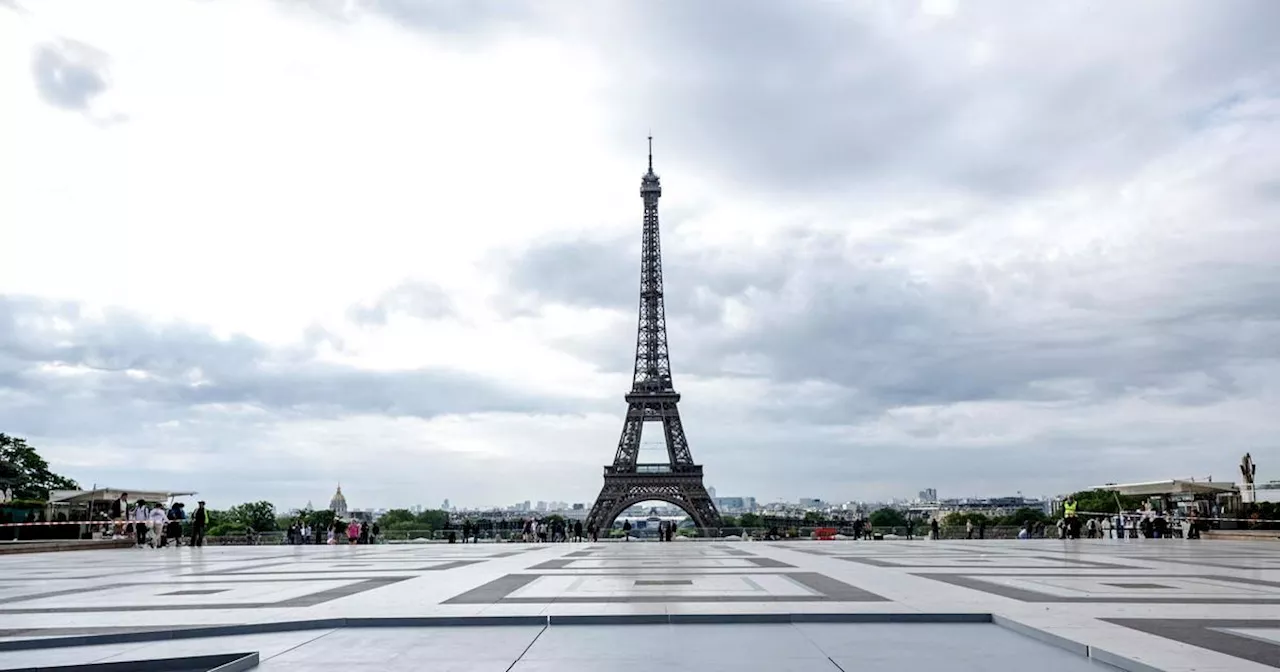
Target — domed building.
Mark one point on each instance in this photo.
(338, 504)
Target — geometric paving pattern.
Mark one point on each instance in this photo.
(1175, 605)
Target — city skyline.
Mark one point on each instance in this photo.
(257, 249)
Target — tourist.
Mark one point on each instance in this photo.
(626, 530)
(364, 532)
(968, 529)
(594, 531)
(141, 520)
(159, 518)
(374, 532)
(119, 512)
(353, 531)
(933, 528)
(577, 531)
(199, 522)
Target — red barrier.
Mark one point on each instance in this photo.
(825, 533)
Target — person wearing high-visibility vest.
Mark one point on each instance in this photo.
(1072, 523)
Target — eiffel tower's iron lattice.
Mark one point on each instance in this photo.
(653, 398)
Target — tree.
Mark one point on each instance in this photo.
(260, 516)
(1104, 501)
(321, 520)
(27, 473)
(1023, 516)
(749, 520)
(396, 517)
(432, 520)
(887, 517)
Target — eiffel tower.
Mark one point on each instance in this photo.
(677, 481)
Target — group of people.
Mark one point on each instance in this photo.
(541, 531)
(153, 525)
(355, 531)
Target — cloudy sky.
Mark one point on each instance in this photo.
(256, 248)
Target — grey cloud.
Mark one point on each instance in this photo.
(69, 74)
(414, 299)
(455, 20)
(825, 97)
(144, 371)
(890, 338)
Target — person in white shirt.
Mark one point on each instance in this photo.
(159, 518)
(141, 520)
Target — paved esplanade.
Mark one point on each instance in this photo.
(1170, 605)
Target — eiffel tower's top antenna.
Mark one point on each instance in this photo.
(649, 184)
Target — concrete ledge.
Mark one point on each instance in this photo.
(58, 545)
(1241, 535)
(222, 662)
(470, 621)
(1128, 664)
(1046, 637)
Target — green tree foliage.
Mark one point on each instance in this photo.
(887, 517)
(1104, 501)
(1022, 517)
(403, 520)
(432, 519)
(321, 520)
(812, 517)
(750, 520)
(395, 517)
(24, 474)
(261, 516)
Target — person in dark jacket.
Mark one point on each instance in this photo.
(199, 522)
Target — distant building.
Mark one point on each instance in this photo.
(445, 505)
(542, 507)
(735, 504)
(338, 504)
(928, 495)
(712, 492)
(811, 503)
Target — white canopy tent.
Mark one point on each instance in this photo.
(109, 494)
(1170, 487)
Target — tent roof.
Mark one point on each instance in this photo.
(107, 494)
(1170, 487)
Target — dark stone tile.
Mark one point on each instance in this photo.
(976, 582)
(1208, 633)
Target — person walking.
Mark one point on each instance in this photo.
(159, 519)
(119, 513)
(626, 530)
(968, 529)
(141, 521)
(199, 522)
(353, 531)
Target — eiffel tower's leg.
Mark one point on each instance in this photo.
(700, 507)
(673, 431)
(629, 442)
